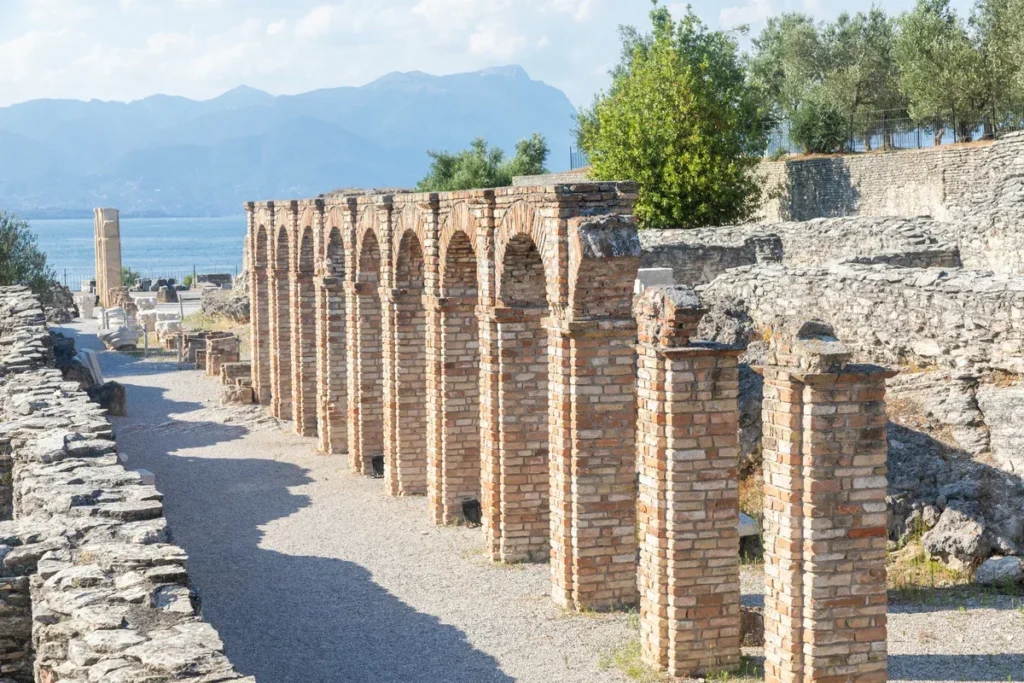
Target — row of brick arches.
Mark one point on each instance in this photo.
(485, 346)
(482, 343)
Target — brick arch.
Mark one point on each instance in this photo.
(307, 252)
(409, 265)
(369, 266)
(459, 219)
(522, 219)
(604, 256)
(366, 224)
(261, 250)
(523, 280)
(334, 253)
(459, 266)
(409, 221)
(282, 249)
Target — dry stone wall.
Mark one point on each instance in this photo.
(92, 588)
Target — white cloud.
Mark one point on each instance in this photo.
(316, 23)
(278, 27)
(495, 41)
(754, 12)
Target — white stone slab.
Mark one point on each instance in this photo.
(651, 277)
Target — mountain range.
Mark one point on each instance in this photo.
(172, 156)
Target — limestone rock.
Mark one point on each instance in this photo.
(960, 538)
(1000, 570)
(112, 397)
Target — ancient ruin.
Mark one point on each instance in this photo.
(479, 348)
(107, 224)
(92, 588)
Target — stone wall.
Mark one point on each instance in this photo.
(699, 256)
(933, 182)
(92, 588)
(475, 347)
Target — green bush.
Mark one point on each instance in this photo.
(21, 261)
(128, 276)
(819, 127)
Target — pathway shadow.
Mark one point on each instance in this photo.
(283, 618)
(1008, 667)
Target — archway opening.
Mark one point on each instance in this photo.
(523, 405)
(457, 472)
(304, 342)
(369, 405)
(407, 470)
(332, 387)
(261, 318)
(282, 359)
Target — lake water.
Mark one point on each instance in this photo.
(154, 247)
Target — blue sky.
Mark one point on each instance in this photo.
(127, 49)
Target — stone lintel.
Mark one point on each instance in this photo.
(850, 373)
(697, 349)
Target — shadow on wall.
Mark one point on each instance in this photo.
(824, 189)
(283, 618)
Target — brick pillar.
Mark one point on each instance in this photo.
(366, 406)
(332, 366)
(688, 446)
(406, 471)
(523, 439)
(280, 345)
(259, 318)
(825, 513)
(490, 406)
(455, 462)
(303, 346)
(592, 465)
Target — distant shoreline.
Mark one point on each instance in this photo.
(88, 215)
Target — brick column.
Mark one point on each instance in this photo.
(406, 471)
(688, 447)
(455, 356)
(259, 318)
(366, 368)
(280, 345)
(593, 487)
(825, 513)
(303, 347)
(490, 457)
(523, 437)
(332, 366)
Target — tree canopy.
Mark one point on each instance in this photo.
(682, 120)
(484, 166)
(21, 261)
(928, 65)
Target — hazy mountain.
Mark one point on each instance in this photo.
(176, 156)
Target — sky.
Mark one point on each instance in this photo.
(129, 49)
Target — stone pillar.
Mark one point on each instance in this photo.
(107, 224)
(366, 367)
(303, 335)
(280, 344)
(332, 366)
(455, 358)
(259, 318)
(825, 513)
(592, 417)
(688, 449)
(406, 472)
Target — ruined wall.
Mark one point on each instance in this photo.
(960, 320)
(92, 588)
(933, 182)
(699, 256)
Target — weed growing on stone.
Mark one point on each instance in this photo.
(628, 659)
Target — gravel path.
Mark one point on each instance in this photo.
(311, 574)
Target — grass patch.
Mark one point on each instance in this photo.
(910, 569)
(628, 659)
(751, 670)
(752, 496)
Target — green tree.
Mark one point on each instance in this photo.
(484, 166)
(682, 120)
(788, 61)
(941, 72)
(998, 32)
(21, 261)
(128, 276)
